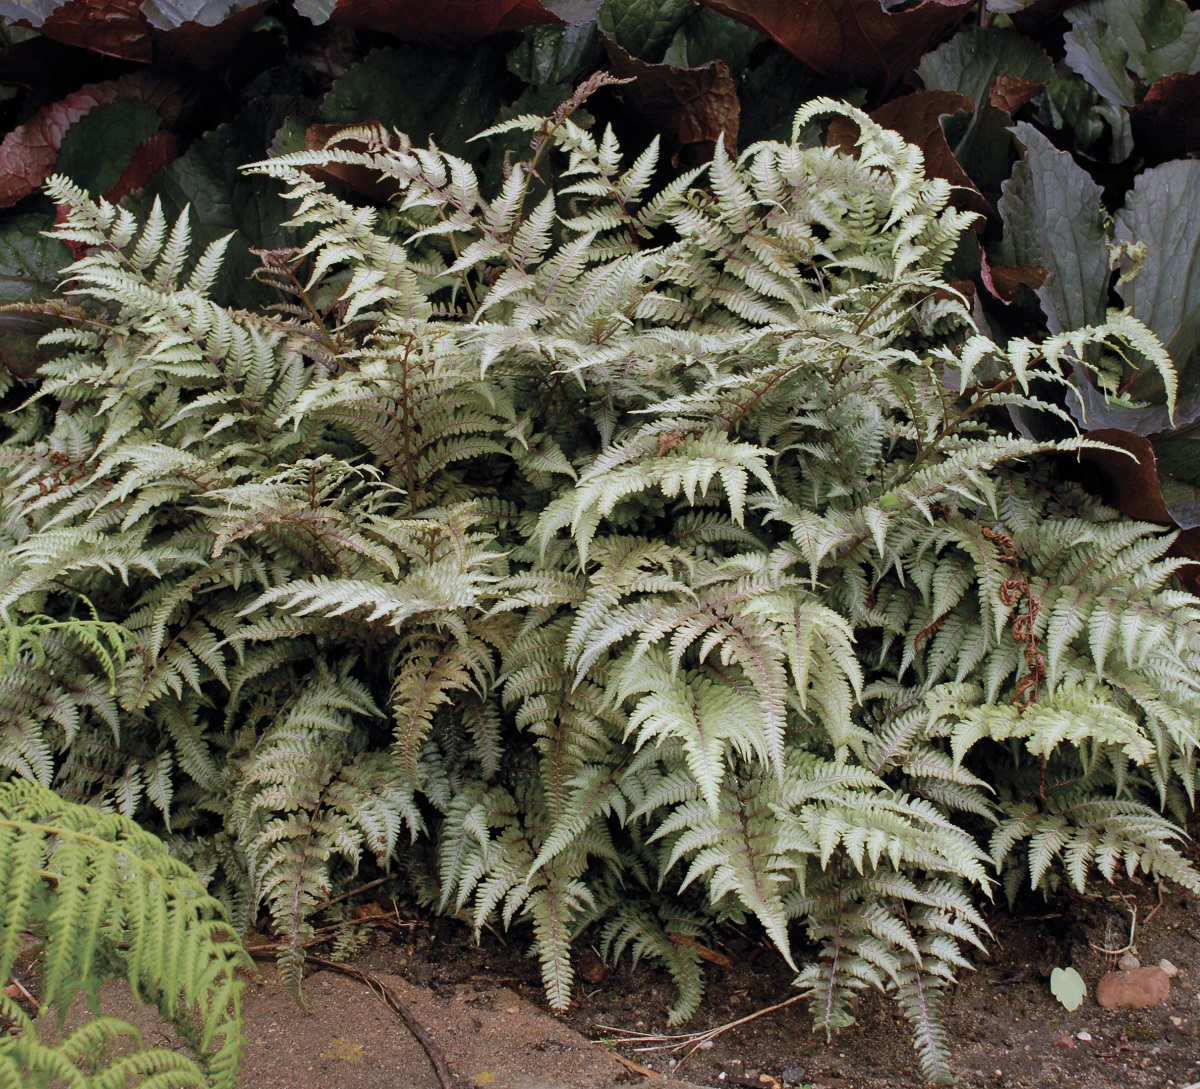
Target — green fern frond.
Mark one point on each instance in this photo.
(102, 896)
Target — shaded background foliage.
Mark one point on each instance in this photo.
(1071, 127)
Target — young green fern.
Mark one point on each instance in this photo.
(102, 898)
(665, 556)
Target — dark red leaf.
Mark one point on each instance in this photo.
(1010, 93)
(78, 249)
(855, 38)
(1133, 488)
(447, 24)
(1167, 121)
(29, 152)
(114, 27)
(151, 156)
(119, 28)
(1004, 281)
(917, 117)
(692, 106)
(1187, 545)
(206, 46)
(1129, 485)
(359, 178)
(966, 288)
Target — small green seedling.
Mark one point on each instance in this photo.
(1068, 987)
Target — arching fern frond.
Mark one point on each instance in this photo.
(102, 897)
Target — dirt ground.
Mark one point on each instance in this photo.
(483, 1008)
(1006, 1029)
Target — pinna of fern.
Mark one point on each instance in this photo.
(616, 538)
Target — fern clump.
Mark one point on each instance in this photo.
(102, 898)
(663, 555)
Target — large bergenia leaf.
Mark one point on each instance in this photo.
(999, 70)
(29, 261)
(1053, 217)
(1166, 122)
(694, 107)
(168, 14)
(857, 38)
(1163, 290)
(29, 152)
(449, 23)
(1150, 38)
(1163, 213)
(643, 27)
(449, 97)
(125, 28)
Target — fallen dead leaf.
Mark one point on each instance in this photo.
(857, 38)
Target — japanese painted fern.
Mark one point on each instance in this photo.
(663, 554)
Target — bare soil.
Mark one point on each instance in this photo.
(482, 1006)
(1006, 1028)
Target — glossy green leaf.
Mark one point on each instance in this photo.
(1094, 125)
(426, 93)
(643, 27)
(970, 63)
(29, 261)
(709, 36)
(554, 54)
(1053, 217)
(98, 147)
(1150, 38)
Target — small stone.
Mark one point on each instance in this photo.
(1168, 967)
(1141, 989)
(1128, 963)
(591, 967)
(792, 1075)
(1086, 1037)
(1177, 1021)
